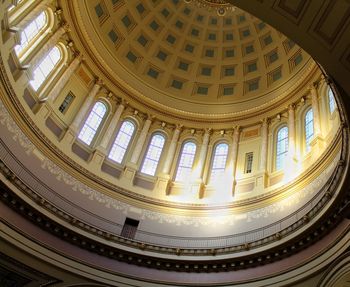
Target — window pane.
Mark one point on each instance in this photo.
(92, 123)
(184, 168)
(281, 147)
(219, 161)
(122, 141)
(153, 155)
(31, 31)
(309, 129)
(248, 162)
(45, 67)
(331, 101)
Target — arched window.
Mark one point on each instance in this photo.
(309, 129)
(153, 154)
(92, 123)
(184, 168)
(219, 161)
(122, 141)
(30, 31)
(45, 67)
(281, 147)
(331, 101)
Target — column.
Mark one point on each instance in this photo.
(201, 163)
(234, 155)
(21, 22)
(291, 133)
(131, 167)
(111, 127)
(317, 143)
(73, 129)
(140, 142)
(171, 152)
(316, 112)
(203, 154)
(50, 43)
(164, 181)
(264, 144)
(62, 81)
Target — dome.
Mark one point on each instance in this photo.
(183, 56)
(178, 142)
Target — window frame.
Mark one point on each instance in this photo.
(129, 145)
(58, 69)
(157, 133)
(276, 142)
(35, 40)
(210, 173)
(188, 141)
(308, 140)
(331, 101)
(246, 171)
(54, 69)
(100, 125)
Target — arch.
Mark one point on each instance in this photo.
(219, 159)
(281, 147)
(308, 129)
(153, 154)
(93, 122)
(185, 164)
(122, 141)
(46, 67)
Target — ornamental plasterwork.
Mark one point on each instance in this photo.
(61, 175)
(220, 6)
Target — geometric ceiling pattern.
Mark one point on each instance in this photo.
(191, 52)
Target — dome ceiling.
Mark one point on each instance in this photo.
(184, 55)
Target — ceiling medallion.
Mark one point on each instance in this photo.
(220, 6)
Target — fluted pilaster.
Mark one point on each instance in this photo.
(291, 132)
(141, 141)
(316, 111)
(264, 144)
(171, 152)
(111, 128)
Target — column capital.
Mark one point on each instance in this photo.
(150, 117)
(237, 129)
(122, 102)
(179, 127)
(65, 26)
(265, 121)
(208, 131)
(109, 96)
(78, 56)
(98, 81)
(312, 88)
(291, 107)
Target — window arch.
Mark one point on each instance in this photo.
(92, 123)
(331, 101)
(185, 165)
(219, 161)
(122, 141)
(153, 154)
(31, 31)
(309, 129)
(45, 67)
(281, 147)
